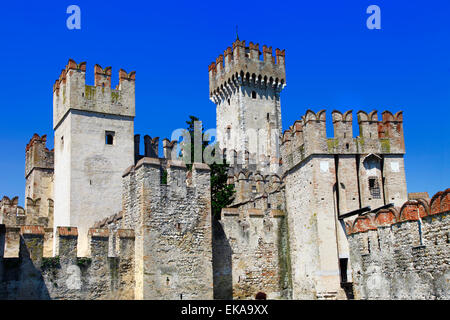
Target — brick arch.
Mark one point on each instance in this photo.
(386, 217)
(435, 202)
(362, 224)
(409, 209)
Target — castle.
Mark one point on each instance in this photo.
(312, 217)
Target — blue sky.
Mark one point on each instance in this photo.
(333, 61)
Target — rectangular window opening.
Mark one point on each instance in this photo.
(109, 137)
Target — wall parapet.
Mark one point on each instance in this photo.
(307, 136)
(242, 65)
(66, 276)
(70, 91)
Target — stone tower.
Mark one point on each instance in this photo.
(246, 91)
(39, 181)
(94, 134)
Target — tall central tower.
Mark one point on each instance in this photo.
(94, 144)
(246, 91)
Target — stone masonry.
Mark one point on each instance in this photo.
(103, 221)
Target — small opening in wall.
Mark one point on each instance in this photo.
(181, 296)
(268, 205)
(228, 101)
(346, 146)
(253, 94)
(254, 189)
(82, 94)
(343, 269)
(167, 281)
(179, 226)
(260, 296)
(109, 137)
(374, 188)
(268, 115)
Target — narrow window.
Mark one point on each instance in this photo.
(374, 188)
(253, 94)
(268, 205)
(109, 137)
(268, 115)
(163, 176)
(228, 101)
(343, 269)
(254, 189)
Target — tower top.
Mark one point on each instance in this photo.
(70, 92)
(243, 64)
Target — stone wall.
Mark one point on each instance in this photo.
(402, 253)
(26, 273)
(170, 210)
(251, 253)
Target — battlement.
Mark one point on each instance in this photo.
(37, 155)
(251, 185)
(168, 173)
(307, 136)
(11, 213)
(66, 240)
(65, 275)
(242, 65)
(70, 91)
(151, 148)
(401, 253)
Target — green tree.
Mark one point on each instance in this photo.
(221, 192)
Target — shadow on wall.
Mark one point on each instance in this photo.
(222, 275)
(20, 279)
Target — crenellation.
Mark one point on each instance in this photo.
(72, 93)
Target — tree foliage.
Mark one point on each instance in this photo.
(221, 192)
